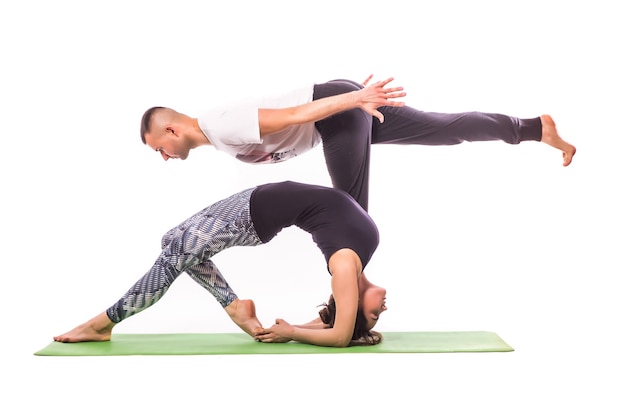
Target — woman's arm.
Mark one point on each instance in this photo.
(316, 323)
(369, 99)
(345, 267)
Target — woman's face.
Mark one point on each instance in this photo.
(373, 304)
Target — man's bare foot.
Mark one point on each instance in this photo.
(98, 329)
(243, 314)
(550, 136)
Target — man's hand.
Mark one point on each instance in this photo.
(278, 333)
(370, 98)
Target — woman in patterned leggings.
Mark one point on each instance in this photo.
(341, 228)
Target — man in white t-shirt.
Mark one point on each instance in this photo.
(346, 117)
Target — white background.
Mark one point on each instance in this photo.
(473, 237)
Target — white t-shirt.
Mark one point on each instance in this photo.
(234, 129)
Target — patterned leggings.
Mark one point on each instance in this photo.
(189, 248)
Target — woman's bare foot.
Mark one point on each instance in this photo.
(243, 313)
(550, 136)
(98, 329)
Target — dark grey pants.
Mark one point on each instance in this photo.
(347, 136)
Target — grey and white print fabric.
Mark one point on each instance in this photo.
(188, 248)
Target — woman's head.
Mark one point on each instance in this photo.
(365, 320)
(372, 303)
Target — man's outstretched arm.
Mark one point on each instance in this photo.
(369, 99)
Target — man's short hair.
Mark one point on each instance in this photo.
(146, 121)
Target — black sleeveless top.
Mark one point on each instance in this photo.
(332, 217)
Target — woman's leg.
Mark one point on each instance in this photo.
(222, 225)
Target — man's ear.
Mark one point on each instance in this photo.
(171, 129)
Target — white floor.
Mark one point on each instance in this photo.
(473, 237)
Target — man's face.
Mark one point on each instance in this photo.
(168, 143)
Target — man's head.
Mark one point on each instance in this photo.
(167, 132)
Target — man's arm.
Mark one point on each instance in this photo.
(369, 99)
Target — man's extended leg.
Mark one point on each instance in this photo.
(408, 126)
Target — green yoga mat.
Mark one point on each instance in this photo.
(242, 344)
